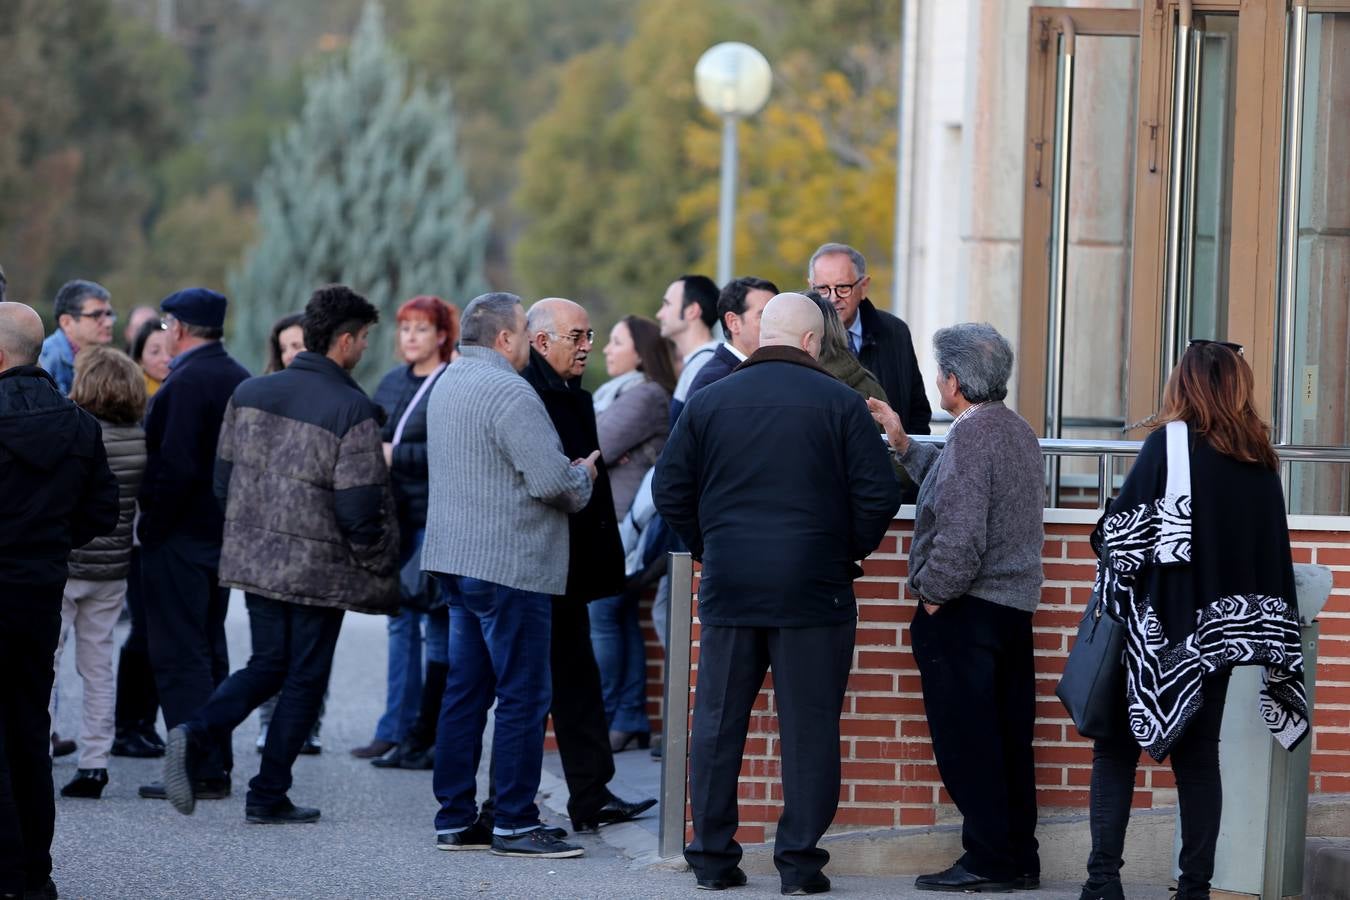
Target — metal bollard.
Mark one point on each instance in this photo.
(1263, 829)
(675, 740)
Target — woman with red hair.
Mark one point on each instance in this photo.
(428, 330)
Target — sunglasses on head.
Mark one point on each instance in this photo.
(1198, 342)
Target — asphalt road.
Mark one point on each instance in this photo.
(376, 837)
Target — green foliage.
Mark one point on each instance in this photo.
(364, 189)
(90, 101)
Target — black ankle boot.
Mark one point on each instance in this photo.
(1110, 890)
(87, 783)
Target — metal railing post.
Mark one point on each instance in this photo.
(675, 740)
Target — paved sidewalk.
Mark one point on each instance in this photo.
(376, 837)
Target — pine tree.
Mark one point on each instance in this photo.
(365, 189)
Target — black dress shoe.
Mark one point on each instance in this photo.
(407, 756)
(136, 745)
(87, 783)
(283, 813)
(61, 746)
(959, 880)
(734, 878)
(816, 885)
(615, 810)
(375, 748)
(1111, 890)
(1029, 881)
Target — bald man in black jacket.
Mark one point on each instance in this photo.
(776, 479)
(58, 494)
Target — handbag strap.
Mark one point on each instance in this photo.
(412, 404)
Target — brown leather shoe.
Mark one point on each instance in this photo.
(375, 748)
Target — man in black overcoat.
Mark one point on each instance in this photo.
(58, 494)
(776, 479)
(560, 342)
(182, 525)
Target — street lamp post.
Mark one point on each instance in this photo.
(732, 80)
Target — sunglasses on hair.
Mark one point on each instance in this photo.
(1198, 342)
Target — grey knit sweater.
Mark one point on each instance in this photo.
(500, 486)
(979, 525)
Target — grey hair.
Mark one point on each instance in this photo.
(539, 318)
(859, 263)
(979, 357)
(486, 316)
(834, 340)
(70, 298)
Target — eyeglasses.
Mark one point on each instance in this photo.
(840, 291)
(576, 337)
(108, 314)
(1200, 342)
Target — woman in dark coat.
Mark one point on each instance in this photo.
(1195, 560)
(632, 414)
(428, 328)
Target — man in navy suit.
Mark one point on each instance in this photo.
(740, 306)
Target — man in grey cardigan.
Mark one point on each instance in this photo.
(497, 538)
(975, 566)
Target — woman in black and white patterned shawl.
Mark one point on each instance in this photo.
(1195, 560)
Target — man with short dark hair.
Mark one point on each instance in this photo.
(58, 494)
(740, 306)
(687, 315)
(497, 539)
(309, 533)
(84, 318)
(881, 341)
(560, 344)
(181, 524)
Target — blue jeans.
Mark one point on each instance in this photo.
(499, 640)
(616, 638)
(404, 676)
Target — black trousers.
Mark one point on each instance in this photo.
(30, 623)
(292, 654)
(578, 712)
(137, 699)
(1195, 763)
(185, 610)
(810, 674)
(979, 692)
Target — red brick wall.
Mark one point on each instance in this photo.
(889, 777)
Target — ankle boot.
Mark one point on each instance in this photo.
(422, 734)
(87, 783)
(1110, 890)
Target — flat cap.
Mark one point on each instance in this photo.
(196, 306)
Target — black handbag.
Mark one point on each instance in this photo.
(1092, 687)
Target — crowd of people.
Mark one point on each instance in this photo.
(508, 523)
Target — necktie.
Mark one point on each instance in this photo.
(853, 342)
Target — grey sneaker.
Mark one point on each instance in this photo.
(536, 843)
(475, 837)
(177, 782)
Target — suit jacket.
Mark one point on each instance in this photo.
(888, 353)
(595, 558)
(776, 479)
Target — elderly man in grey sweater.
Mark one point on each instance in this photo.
(975, 566)
(500, 492)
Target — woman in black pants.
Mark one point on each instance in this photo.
(1195, 560)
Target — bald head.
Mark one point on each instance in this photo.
(560, 331)
(20, 335)
(792, 320)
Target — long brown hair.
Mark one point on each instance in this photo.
(656, 358)
(1211, 391)
(108, 385)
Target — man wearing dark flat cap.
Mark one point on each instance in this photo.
(181, 524)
